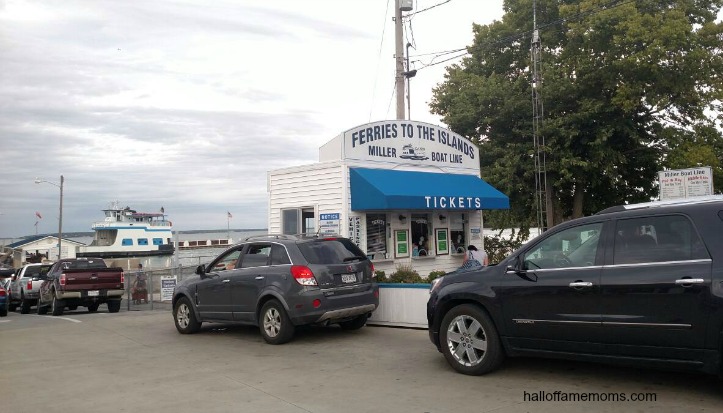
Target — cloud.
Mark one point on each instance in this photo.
(185, 104)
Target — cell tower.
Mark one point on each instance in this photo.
(537, 117)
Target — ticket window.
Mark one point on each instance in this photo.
(298, 221)
(377, 236)
(458, 233)
(421, 235)
(308, 221)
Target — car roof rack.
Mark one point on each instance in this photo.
(271, 236)
(318, 236)
(658, 204)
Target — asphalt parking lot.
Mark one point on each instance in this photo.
(137, 362)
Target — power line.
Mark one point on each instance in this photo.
(411, 31)
(428, 8)
(379, 58)
(442, 53)
(391, 98)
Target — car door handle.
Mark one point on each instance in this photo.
(686, 281)
(580, 284)
(260, 277)
(226, 281)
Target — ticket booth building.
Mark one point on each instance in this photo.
(405, 192)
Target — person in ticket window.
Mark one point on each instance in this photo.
(415, 250)
(475, 258)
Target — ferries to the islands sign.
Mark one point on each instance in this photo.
(402, 141)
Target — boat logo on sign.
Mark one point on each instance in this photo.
(410, 152)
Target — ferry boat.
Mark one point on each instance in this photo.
(127, 233)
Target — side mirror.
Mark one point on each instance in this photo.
(201, 270)
(516, 267)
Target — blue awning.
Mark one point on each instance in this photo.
(385, 189)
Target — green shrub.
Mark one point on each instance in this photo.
(498, 247)
(434, 275)
(381, 276)
(405, 274)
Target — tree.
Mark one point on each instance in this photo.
(702, 146)
(626, 85)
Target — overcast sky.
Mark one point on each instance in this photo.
(188, 104)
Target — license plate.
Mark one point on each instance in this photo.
(348, 278)
(93, 293)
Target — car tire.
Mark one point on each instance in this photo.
(24, 305)
(93, 307)
(4, 310)
(42, 309)
(274, 323)
(354, 324)
(185, 318)
(113, 306)
(469, 340)
(57, 306)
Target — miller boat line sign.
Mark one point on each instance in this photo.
(410, 142)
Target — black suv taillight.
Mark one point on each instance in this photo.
(303, 275)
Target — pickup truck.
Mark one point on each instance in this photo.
(86, 282)
(25, 286)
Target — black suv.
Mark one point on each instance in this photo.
(279, 282)
(636, 284)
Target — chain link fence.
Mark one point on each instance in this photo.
(153, 289)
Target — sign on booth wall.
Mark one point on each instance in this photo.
(401, 243)
(355, 229)
(442, 236)
(685, 183)
(330, 223)
(405, 141)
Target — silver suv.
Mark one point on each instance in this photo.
(278, 283)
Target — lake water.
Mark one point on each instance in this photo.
(182, 257)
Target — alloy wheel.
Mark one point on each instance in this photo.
(182, 315)
(272, 322)
(467, 340)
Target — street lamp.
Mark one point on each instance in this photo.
(60, 218)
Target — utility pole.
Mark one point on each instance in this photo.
(399, 56)
(60, 220)
(408, 75)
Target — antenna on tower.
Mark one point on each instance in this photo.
(541, 195)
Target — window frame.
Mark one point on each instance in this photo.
(219, 264)
(246, 254)
(557, 236)
(383, 254)
(656, 254)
